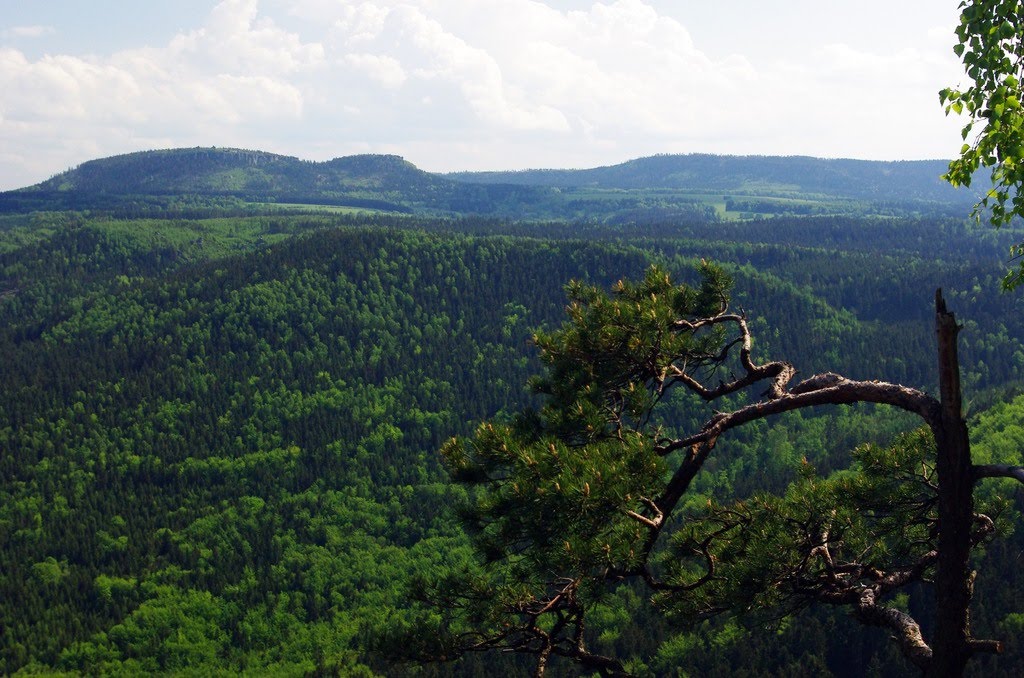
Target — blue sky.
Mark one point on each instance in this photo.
(481, 84)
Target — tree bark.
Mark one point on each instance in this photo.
(905, 629)
(953, 579)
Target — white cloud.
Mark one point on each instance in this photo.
(386, 70)
(501, 67)
(358, 24)
(235, 38)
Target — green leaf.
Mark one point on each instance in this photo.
(990, 44)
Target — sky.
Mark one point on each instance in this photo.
(474, 84)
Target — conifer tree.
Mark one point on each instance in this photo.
(590, 490)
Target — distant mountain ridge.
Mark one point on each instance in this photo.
(382, 182)
(862, 179)
(696, 186)
(232, 171)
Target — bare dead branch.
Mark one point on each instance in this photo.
(905, 629)
(842, 392)
(986, 646)
(998, 471)
(653, 523)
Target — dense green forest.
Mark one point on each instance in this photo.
(219, 419)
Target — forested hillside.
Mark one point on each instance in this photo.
(690, 188)
(871, 180)
(153, 181)
(218, 436)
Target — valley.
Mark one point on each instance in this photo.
(227, 376)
